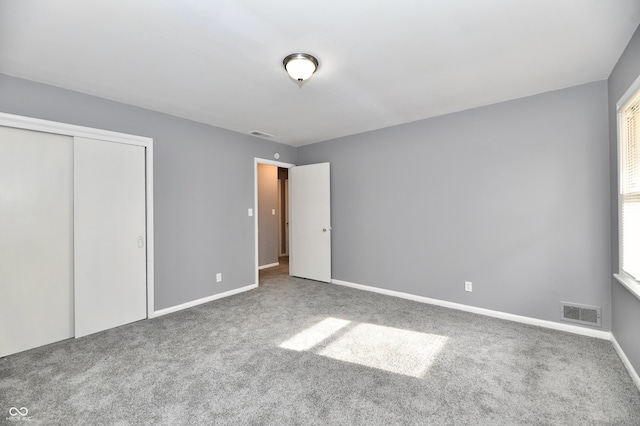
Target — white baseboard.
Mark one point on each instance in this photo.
(270, 265)
(625, 361)
(481, 311)
(203, 300)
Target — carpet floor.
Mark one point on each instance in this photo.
(299, 352)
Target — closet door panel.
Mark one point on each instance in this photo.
(36, 240)
(109, 237)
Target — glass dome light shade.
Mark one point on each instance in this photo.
(300, 66)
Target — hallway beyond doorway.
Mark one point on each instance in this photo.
(277, 271)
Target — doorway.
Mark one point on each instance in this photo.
(273, 222)
(271, 218)
(309, 205)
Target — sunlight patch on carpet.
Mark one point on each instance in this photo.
(315, 334)
(395, 350)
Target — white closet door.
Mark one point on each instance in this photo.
(109, 235)
(36, 251)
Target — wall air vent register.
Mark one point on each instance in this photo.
(581, 314)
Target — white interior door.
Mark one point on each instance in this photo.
(109, 235)
(310, 222)
(36, 239)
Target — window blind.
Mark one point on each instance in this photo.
(630, 190)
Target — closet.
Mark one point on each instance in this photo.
(76, 240)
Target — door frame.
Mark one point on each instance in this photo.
(36, 124)
(256, 161)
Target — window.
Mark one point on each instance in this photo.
(629, 183)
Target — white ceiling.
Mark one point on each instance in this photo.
(382, 63)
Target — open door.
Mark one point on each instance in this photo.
(310, 222)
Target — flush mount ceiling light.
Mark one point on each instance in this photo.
(300, 66)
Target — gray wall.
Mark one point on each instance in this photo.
(203, 186)
(626, 307)
(513, 197)
(267, 222)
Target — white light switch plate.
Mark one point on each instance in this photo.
(250, 212)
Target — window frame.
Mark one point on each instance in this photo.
(628, 281)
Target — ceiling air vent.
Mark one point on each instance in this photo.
(582, 314)
(260, 134)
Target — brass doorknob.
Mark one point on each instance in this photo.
(324, 229)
